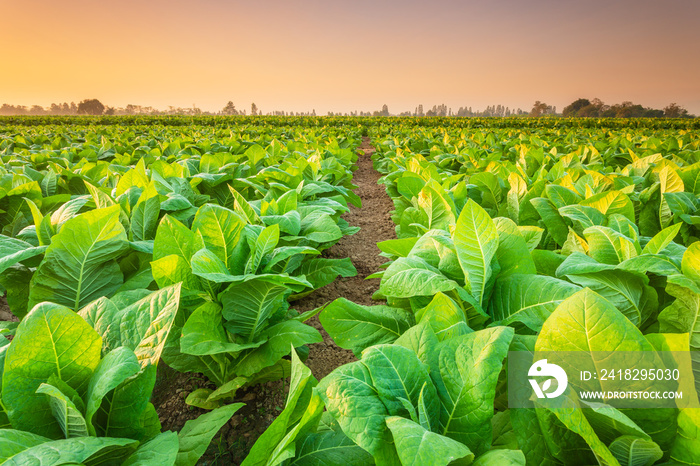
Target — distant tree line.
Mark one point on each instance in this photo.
(579, 108)
(597, 109)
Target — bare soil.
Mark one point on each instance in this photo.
(264, 402)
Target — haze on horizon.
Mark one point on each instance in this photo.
(343, 56)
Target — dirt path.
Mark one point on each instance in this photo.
(374, 220)
(264, 402)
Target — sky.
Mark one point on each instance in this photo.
(340, 56)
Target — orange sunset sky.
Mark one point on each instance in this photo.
(350, 55)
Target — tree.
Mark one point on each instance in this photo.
(90, 107)
(540, 108)
(673, 110)
(229, 109)
(254, 109)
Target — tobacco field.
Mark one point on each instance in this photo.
(137, 249)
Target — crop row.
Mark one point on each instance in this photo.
(513, 243)
(125, 245)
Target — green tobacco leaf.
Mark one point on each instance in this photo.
(351, 399)
(50, 340)
(422, 341)
(248, 306)
(691, 262)
(566, 411)
(634, 451)
(278, 339)
(411, 276)
(301, 412)
(400, 378)
(114, 369)
(397, 247)
(161, 450)
(686, 445)
(476, 240)
(611, 202)
(64, 410)
(13, 250)
(662, 239)
(321, 272)
(82, 450)
(329, 447)
(553, 221)
(144, 216)
(501, 458)
(142, 326)
(173, 269)
(79, 265)
(466, 378)
(265, 244)
(445, 317)
(587, 322)
(15, 441)
(204, 334)
(122, 409)
(513, 254)
(356, 327)
(607, 246)
(172, 237)
(221, 231)
(528, 299)
(417, 446)
(582, 217)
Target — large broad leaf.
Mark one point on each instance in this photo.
(513, 254)
(465, 376)
(476, 240)
(411, 276)
(417, 446)
(350, 397)
(607, 246)
(144, 216)
(278, 339)
(302, 411)
(683, 316)
(79, 265)
(501, 458)
(528, 299)
(356, 327)
(588, 323)
(83, 450)
(15, 441)
(122, 409)
(626, 291)
(114, 369)
(221, 230)
(321, 272)
(635, 451)
(329, 447)
(568, 432)
(686, 446)
(401, 381)
(143, 326)
(13, 250)
(204, 333)
(67, 414)
(446, 318)
(172, 237)
(161, 450)
(50, 340)
(248, 306)
(195, 436)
